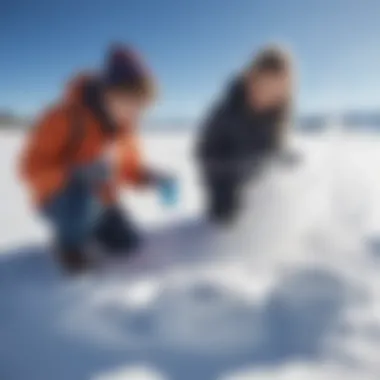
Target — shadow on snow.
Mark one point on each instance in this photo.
(53, 328)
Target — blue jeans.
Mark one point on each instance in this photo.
(78, 216)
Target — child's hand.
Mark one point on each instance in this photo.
(289, 158)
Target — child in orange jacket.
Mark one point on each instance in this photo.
(82, 150)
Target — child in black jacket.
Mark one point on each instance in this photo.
(244, 129)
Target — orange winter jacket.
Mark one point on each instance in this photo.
(48, 159)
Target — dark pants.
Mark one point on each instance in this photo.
(78, 216)
(225, 189)
(223, 199)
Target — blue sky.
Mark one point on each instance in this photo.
(192, 46)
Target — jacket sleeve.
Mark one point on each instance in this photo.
(130, 166)
(40, 159)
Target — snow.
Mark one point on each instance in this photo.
(292, 292)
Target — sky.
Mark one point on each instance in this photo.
(193, 47)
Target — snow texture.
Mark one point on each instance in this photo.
(291, 292)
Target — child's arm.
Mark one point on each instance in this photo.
(284, 122)
(132, 169)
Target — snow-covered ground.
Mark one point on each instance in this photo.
(292, 292)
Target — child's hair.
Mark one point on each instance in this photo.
(271, 59)
(275, 60)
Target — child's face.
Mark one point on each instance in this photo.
(123, 108)
(267, 90)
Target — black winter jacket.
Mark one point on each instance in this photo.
(234, 138)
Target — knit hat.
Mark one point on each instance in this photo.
(125, 70)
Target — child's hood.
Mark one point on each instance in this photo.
(74, 89)
(85, 90)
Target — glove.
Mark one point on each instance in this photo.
(169, 191)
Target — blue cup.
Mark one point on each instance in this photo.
(169, 192)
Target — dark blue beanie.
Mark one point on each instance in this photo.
(123, 68)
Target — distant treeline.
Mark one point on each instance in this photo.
(354, 120)
(9, 120)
